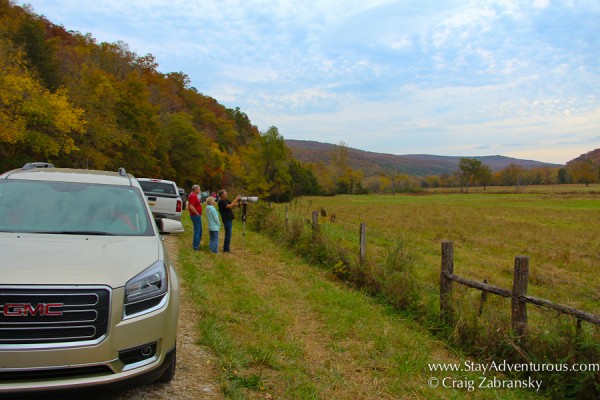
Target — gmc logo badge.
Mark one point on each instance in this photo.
(26, 309)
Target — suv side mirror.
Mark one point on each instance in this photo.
(166, 225)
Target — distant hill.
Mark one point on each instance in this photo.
(412, 164)
(593, 155)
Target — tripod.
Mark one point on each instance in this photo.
(243, 224)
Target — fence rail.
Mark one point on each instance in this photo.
(518, 294)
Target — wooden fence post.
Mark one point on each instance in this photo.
(315, 219)
(363, 243)
(446, 282)
(518, 303)
(483, 298)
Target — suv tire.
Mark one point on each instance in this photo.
(169, 373)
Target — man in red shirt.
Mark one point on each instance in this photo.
(195, 208)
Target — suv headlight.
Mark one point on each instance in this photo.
(146, 291)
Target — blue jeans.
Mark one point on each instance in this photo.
(228, 225)
(197, 221)
(214, 241)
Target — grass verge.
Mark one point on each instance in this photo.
(284, 329)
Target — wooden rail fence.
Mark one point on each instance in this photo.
(518, 294)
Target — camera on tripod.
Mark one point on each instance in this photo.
(243, 202)
(248, 199)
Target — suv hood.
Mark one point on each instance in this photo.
(35, 259)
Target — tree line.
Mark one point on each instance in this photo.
(69, 100)
(472, 172)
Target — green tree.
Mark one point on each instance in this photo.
(469, 168)
(339, 160)
(563, 176)
(40, 51)
(583, 172)
(185, 149)
(304, 182)
(513, 175)
(269, 173)
(484, 175)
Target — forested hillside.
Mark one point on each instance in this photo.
(593, 156)
(412, 164)
(67, 99)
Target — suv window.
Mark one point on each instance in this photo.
(72, 208)
(158, 187)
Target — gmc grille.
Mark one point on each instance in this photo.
(50, 315)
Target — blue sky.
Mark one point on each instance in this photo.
(516, 78)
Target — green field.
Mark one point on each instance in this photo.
(579, 189)
(560, 234)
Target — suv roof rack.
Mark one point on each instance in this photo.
(124, 173)
(33, 165)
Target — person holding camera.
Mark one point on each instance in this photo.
(213, 224)
(226, 210)
(195, 209)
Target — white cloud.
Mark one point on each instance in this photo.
(541, 3)
(430, 76)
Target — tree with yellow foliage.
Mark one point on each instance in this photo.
(31, 116)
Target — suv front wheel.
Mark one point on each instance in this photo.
(169, 373)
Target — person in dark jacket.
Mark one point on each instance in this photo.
(226, 210)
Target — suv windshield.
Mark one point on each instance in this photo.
(72, 208)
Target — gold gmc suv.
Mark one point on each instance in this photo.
(88, 295)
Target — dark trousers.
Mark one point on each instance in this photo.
(228, 225)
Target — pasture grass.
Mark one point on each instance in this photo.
(562, 189)
(560, 234)
(283, 329)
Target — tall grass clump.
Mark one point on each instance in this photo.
(483, 331)
(569, 346)
(393, 278)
